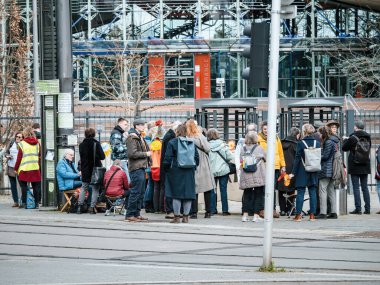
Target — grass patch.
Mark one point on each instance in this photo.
(271, 268)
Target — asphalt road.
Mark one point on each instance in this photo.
(48, 247)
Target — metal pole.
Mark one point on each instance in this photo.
(161, 19)
(89, 34)
(199, 18)
(312, 46)
(272, 116)
(36, 64)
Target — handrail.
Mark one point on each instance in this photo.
(349, 99)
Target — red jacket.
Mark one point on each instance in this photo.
(33, 175)
(118, 184)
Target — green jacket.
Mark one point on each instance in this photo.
(218, 166)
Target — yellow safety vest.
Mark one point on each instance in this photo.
(29, 159)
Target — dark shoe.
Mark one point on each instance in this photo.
(367, 212)
(321, 217)
(79, 210)
(91, 211)
(149, 211)
(21, 206)
(193, 216)
(282, 213)
(175, 220)
(275, 215)
(132, 220)
(356, 212)
(226, 214)
(214, 213)
(207, 215)
(36, 206)
(185, 219)
(332, 216)
(378, 212)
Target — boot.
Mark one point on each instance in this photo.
(207, 215)
(185, 219)
(175, 220)
(91, 211)
(297, 218)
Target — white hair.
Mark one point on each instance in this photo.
(67, 151)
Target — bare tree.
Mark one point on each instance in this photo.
(16, 98)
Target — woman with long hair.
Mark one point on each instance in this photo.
(204, 179)
(11, 156)
(305, 178)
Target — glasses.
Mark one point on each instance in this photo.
(18, 137)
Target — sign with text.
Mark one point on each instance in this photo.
(47, 87)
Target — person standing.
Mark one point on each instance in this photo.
(330, 145)
(11, 155)
(279, 164)
(87, 149)
(305, 178)
(358, 144)
(204, 180)
(289, 145)
(28, 165)
(118, 145)
(252, 183)
(219, 154)
(139, 160)
(180, 181)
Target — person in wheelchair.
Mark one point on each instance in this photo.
(68, 176)
(116, 184)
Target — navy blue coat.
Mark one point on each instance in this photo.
(304, 179)
(328, 151)
(180, 182)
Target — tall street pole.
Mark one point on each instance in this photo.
(272, 116)
(36, 64)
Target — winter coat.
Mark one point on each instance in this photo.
(118, 184)
(303, 178)
(33, 175)
(204, 179)
(289, 146)
(349, 145)
(330, 146)
(170, 134)
(67, 172)
(86, 152)
(118, 146)
(12, 150)
(218, 166)
(180, 182)
(137, 152)
(279, 154)
(253, 179)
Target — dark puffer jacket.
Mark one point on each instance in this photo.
(349, 145)
(86, 152)
(329, 148)
(117, 141)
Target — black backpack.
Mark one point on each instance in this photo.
(362, 150)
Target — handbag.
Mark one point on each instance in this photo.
(97, 175)
(231, 165)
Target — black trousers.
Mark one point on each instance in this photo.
(252, 200)
(36, 190)
(194, 204)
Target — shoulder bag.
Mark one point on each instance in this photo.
(97, 175)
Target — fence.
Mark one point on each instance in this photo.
(231, 126)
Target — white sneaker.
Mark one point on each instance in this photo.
(244, 219)
(256, 219)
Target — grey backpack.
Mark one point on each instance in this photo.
(312, 161)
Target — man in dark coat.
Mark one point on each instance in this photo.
(358, 171)
(289, 146)
(170, 134)
(139, 159)
(118, 145)
(86, 152)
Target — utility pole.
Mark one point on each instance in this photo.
(287, 12)
(36, 64)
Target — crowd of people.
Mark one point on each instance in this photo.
(163, 169)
